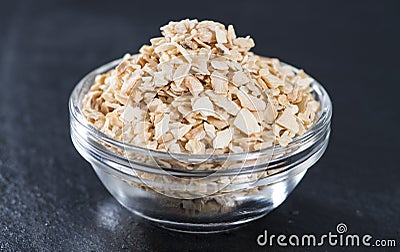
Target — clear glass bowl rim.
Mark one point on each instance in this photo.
(77, 115)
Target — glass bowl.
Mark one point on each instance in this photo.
(152, 184)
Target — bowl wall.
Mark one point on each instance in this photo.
(213, 213)
(208, 214)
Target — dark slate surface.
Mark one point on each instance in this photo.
(51, 200)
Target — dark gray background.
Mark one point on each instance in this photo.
(50, 199)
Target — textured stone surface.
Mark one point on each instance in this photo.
(51, 200)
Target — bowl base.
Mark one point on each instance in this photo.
(199, 228)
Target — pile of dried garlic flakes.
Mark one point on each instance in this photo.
(199, 90)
